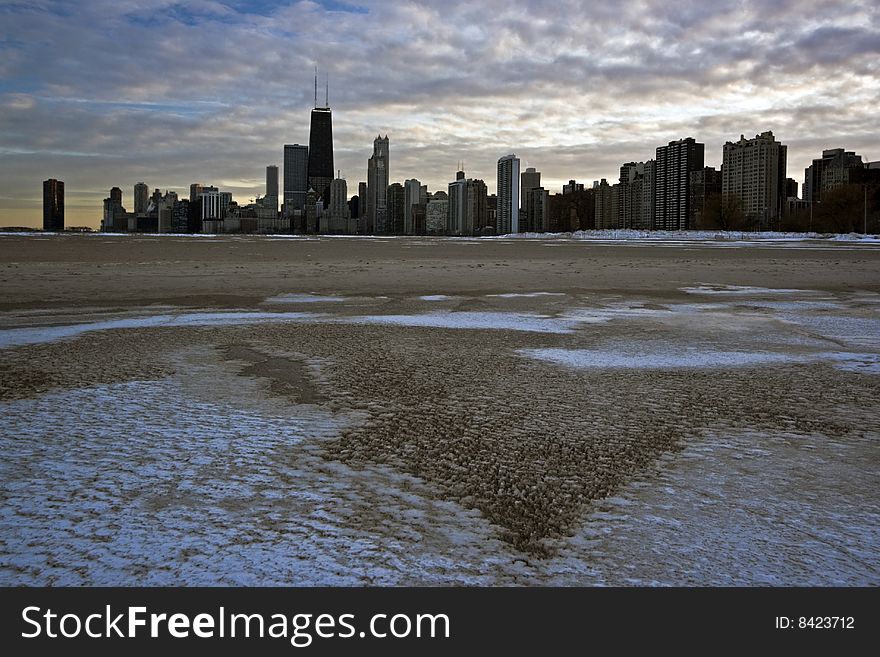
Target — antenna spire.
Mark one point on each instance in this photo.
(316, 86)
(327, 93)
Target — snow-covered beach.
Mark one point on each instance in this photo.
(250, 411)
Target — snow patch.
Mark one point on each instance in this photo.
(673, 359)
(526, 295)
(302, 298)
(472, 320)
(35, 335)
(740, 289)
(670, 358)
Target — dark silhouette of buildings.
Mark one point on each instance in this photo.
(53, 204)
(396, 208)
(321, 169)
(141, 197)
(271, 198)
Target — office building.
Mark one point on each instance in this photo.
(378, 169)
(296, 178)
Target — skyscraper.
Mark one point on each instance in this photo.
(705, 184)
(507, 217)
(321, 147)
(377, 187)
(537, 210)
(529, 179)
(296, 177)
(53, 204)
(271, 200)
(675, 162)
(457, 195)
(336, 216)
(413, 191)
(195, 191)
(141, 198)
(753, 171)
(396, 208)
(606, 215)
(436, 214)
(635, 196)
(467, 206)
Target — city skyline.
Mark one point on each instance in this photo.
(574, 91)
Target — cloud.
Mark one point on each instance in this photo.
(102, 93)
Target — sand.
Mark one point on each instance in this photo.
(246, 410)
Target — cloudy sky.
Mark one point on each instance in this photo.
(109, 92)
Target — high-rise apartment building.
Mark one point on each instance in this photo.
(606, 216)
(377, 187)
(674, 163)
(53, 205)
(753, 171)
(649, 195)
(476, 206)
(834, 168)
(508, 180)
(705, 183)
(537, 210)
(630, 196)
(296, 177)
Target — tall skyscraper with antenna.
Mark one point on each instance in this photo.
(321, 146)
